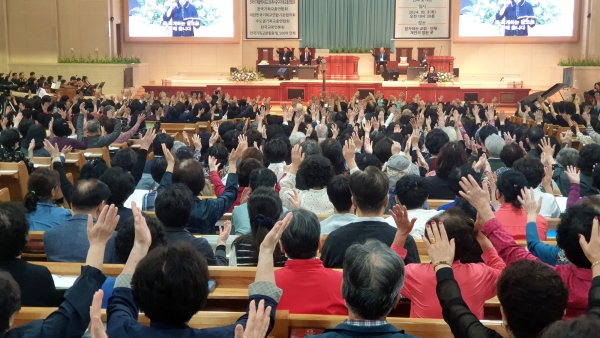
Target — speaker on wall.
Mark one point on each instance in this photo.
(456, 72)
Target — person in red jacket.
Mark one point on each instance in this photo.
(308, 287)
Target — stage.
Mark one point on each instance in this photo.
(278, 91)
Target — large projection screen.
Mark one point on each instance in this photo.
(516, 21)
(182, 21)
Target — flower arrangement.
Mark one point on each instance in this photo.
(442, 77)
(244, 74)
(485, 10)
(151, 11)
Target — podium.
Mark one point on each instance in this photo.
(441, 63)
(342, 67)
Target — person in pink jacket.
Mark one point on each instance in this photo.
(477, 280)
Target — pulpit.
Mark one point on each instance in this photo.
(441, 63)
(342, 67)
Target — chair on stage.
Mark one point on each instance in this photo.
(403, 57)
(430, 52)
(390, 64)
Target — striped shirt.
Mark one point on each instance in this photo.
(247, 256)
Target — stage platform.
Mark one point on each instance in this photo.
(286, 90)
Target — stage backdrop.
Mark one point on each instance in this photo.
(347, 23)
(422, 19)
(272, 19)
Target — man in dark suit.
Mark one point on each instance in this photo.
(381, 59)
(285, 56)
(306, 57)
(423, 58)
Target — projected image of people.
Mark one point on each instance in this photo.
(183, 17)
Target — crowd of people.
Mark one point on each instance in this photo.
(368, 166)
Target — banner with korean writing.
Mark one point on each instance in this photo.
(422, 19)
(272, 19)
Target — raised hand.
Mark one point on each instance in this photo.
(573, 175)
(257, 324)
(97, 329)
(224, 232)
(148, 138)
(440, 249)
(106, 224)
(272, 238)
(527, 200)
(403, 223)
(197, 142)
(51, 149)
(591, 249)
(294, 199)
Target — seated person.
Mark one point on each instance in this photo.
(306, 57)
(478, 280)
(412, 194)
(339, 194)
(147, 183)
(395, 168)
(370, 198)
(61, 131)
(264, 209)
(170, 285)
(276, 151)
(308, 287)
(121, 184)
(317, 173)
(576, 221)
(173, 208)
(533, 170)
(423, 57)
(205, 213)
(244, 169)
(68, 242)
(589, 157)
(157, 170)
(42, 213)
(123, 244)
(37, 133)
(456, 175)
(95, 138)
(259, 178)
(451, 155)
(511, 214)
(373, 277)
(511, 153)
(35, 281)
(9, 139)
(285, 56)
(381, 59)
(73, 316)
(493, 146)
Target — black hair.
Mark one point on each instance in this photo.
(383, 149)
(121, 185)
(173, 205)
(264, 210)
(225, 127)
(24, 128)
(93, 169)
(190, 173)
(89, 194)
(451, 155)
(510, 154)
(338, 191)
(317, 171)
(158, 168)
(262, 177)
(533, 170)
(159, 140)
(301, 238)
(245, 169)
(365, 160)
(486, 131)
(369, 189)
(230, 139)
(457, 173)
(509, 185)
(126, 237)
(39, 187)
(170, 284)
(332, 150)
(585, 326)
(272, 130)
(276, 151)
(589, 156)
(184, 153)
(60, 127)
(535, 135)
(124, 158)
(10, 299)
(532, 296)
(574, 221)
(460, 227)
(412, 191)
(219, 152)
(9, 138)
(254, 136)
(435, 140)
(14, 228)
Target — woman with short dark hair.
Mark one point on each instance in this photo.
(43, 187)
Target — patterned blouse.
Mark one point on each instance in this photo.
(13, 155)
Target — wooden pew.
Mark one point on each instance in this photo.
(4, 195)
(423, 250)
(14, 176)
(42, 162)
(91, 153)
(425, 328)
(172, 128)
(74, 161)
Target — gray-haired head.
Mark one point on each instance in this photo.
(310, 148)
(297, 138)
(373, 277)
(321, 131)
(567, 157)
(93, 126)
(494, 145)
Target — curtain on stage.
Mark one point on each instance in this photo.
(348, 23)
